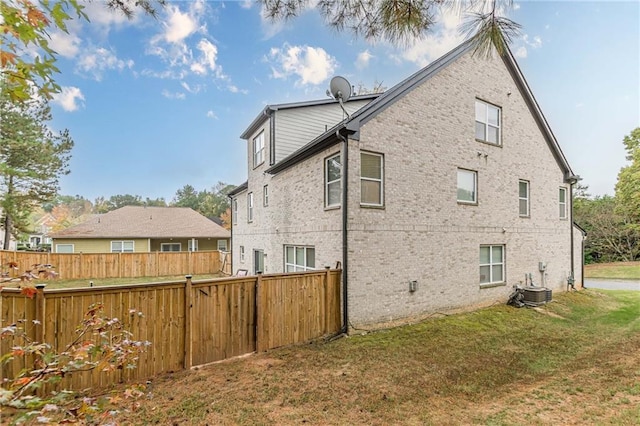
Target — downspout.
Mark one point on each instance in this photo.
(573, 179)
(231, 232)
(345, 244)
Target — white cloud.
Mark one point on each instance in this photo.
(101, 15)
(363, 59)
(97, 60)
(212, 114)
(176, 95)
(312, 65)
(246, 4)
(516, 6)
(70, 98)
(520, 52)
(179, 25)
(66, 44)
(535, 43)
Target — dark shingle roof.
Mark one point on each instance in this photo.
(146, 222)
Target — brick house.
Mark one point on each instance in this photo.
(439, 194)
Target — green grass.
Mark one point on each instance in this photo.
(573, 361)
(101, 282)
(619, 270)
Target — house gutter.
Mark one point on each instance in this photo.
(345, 244)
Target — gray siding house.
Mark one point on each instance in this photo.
(439, 194)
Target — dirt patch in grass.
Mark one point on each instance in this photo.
(574, 362)
(619, 270)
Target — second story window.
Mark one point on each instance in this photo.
(467, 186)
(332, 182)
(523, 198)
(250, 207)
(562, 202)
(265, 195)
(371, 179)
(258, 150)
(234, 211)
(488, 122)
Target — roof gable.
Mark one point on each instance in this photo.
(146, 222)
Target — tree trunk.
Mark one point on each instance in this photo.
(7, 231)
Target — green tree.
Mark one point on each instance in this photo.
(400, 21)
(32, 159)
(628, 185)
(27, 24)
(210, 203)
(117, 201)
(187, 196)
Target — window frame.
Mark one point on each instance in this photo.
(491, 264)
(241, 254)
(328, 183)
(162, 245)
(234, 211)
(189, 241)
(487, 106)
(122, 242)
(258, 149)
(295, 266)
(226, 246)
(562, 205)
(250, 207)
(265, 196)
(474, 202)
(370, 179)
(65, 245)
(527, 199)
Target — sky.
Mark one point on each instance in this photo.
(156, 104)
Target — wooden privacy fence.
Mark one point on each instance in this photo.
(119, 265)
(188, 323)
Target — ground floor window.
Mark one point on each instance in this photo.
(222, 245)
(242, 254)
(492, 264)
(192, 245)
(258, 261)
(170, 247)
(122, 247)
(299, 258)
(64, 248)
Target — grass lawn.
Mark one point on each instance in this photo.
(620, 270)
(575, 361)
(98, 282)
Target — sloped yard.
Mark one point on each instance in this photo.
(575, 361)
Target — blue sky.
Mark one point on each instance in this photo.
(153, 105)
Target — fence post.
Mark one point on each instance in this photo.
(188, 355)
(259, 321)
(327, 308)
(39, 325)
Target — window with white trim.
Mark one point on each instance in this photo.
(562, 202)
(299, 258)
(242, 254)
(258, 150)
(371, 179)
(332, 181)
(122, 246)
(170, 247)
(467, 191)
(265, 195)
(250, 207)
(193, 243)
(64, 248)
(488, 118)
(523, 198)
(492, 264)
(234, 213)
(222, 245)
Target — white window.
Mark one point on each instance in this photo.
(523, 198)
(242, 254)
(258, 150)
(488, 122)
(492, 264)
(299, 258)
(170, 247)
(265, 195)
(371, 179)
(192, 245)
(222, 245)
(122, 247)
(332, 182)
(250, 207)
(64, 248)
(258, 261)
(562, 202)
(467, 186)
(234, 213)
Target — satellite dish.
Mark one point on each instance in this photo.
(340, 88)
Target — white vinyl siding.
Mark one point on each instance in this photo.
(562, 202)
(64, 248)
(122, 246)
(523, 198)
(170, 247)
(299, 258)
(467, 191)
(492, 264)
(488, 122)
(371, 179)
(332, 181)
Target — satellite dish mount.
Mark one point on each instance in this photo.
(340, 89)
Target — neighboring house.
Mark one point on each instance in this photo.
(441, 193)
(143, 229)
(13, 243)
(42, 228)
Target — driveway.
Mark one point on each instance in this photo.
(607, 284)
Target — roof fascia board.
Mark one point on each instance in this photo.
(238, 189)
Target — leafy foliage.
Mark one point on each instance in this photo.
(210, 203)
(101, 344)
(628, 185)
